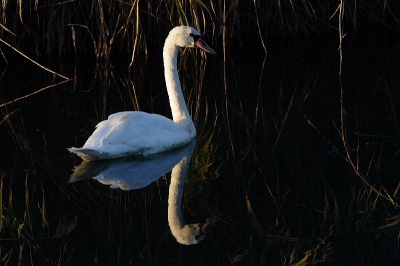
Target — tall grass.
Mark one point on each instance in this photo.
(44, 27)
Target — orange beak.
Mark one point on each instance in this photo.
(202, 45)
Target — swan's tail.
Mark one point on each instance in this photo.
(86, 154)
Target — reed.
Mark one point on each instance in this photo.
(43, 28)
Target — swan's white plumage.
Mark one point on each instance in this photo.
(134, 132)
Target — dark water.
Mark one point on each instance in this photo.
(299, 165)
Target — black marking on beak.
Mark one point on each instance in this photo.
(195, 37)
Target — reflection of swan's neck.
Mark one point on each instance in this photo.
(175, 194)
(184, 233)
(179, 110)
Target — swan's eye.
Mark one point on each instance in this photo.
(195, 37)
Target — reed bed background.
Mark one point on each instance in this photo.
(41, 28)
(300, 164)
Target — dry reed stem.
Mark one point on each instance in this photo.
(285, 118)
(33, 61)
(88, 30)
(225, 78)
(137, 35)
(259, 106)
(66, 79)
(350, 161)
(259, 29)
(33, 93)
(341, 15)
(6, 29)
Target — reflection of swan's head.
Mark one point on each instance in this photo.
(191, 234)
(185, 36)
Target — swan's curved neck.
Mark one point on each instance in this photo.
(179, 110)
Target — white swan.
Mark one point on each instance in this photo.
(134, 132)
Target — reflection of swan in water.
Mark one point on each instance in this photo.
(132, 133)
(138, 172)
(130, 172)
(187, 234)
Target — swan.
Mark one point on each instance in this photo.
(138, 133)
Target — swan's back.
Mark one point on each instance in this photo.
(132, 133)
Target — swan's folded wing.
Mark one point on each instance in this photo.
(132, 133)
(106, 152)
(86, 154)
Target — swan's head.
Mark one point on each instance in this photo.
(191, 234)
(185, 36)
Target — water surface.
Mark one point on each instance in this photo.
(301, 165)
